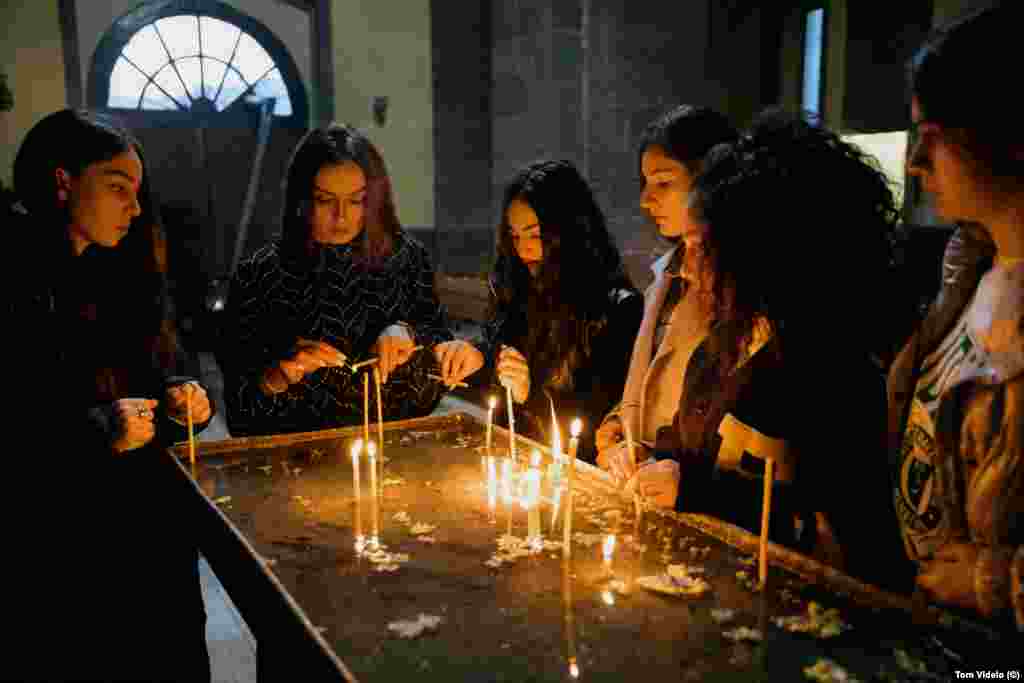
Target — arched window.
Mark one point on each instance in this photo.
(194, 56)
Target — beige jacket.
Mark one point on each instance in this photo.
(654, 382)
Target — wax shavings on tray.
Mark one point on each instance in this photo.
(223, 500)
(827, 671)
(510, 549)
(421, 528)
(392, 481)
(402, 517)
(415, 627)
(678, 571)
(384, 561)
(587, 540)
(670, 585)
(741, 633)
(823, 623)
(426, 539)
(697, 552)
(266, 469)
(722, 614)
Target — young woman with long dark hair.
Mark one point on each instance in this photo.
(343, 281)
(102, 548)
(564, 313)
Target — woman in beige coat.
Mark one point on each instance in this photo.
(671, 152)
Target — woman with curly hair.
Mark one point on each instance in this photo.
(564, 313)
(957, 388)
(343, 282)
(792, 253)
(93, 359)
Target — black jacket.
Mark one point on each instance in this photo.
(103, 568)
(828, 406)
(588, 381)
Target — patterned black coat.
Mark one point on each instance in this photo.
(275, 300)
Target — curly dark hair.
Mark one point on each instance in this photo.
(581, 260)
(331, 145)
(800, 228)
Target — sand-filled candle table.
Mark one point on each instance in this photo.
(449, 597)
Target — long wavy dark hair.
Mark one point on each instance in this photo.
(946, 75)
(799, 234)
(581, 263)
(138, 320)
(329, 146)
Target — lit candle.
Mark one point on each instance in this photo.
(608, 550)
(374, 543)
(511, 423)
(366, 407)
(492, 487)
(531, 501)
(492, 403)
(357, 448)
(380, 427)
(506, 490)
(556, 465)
(484, 459)
(574, 429)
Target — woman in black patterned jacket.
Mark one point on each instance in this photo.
(343, 283)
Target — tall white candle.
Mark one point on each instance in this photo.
(371, 452)
(531, 501)
(492, 487)
(380, 425)
(492, 403)
(357, 448)
(574, 429)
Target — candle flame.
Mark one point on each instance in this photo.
(608, 597)
(574, 670)
(492, 402)
(609, 546)
(576, 427)
(371, 449)
(535, 458)
(556, 435)
(357, 448)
